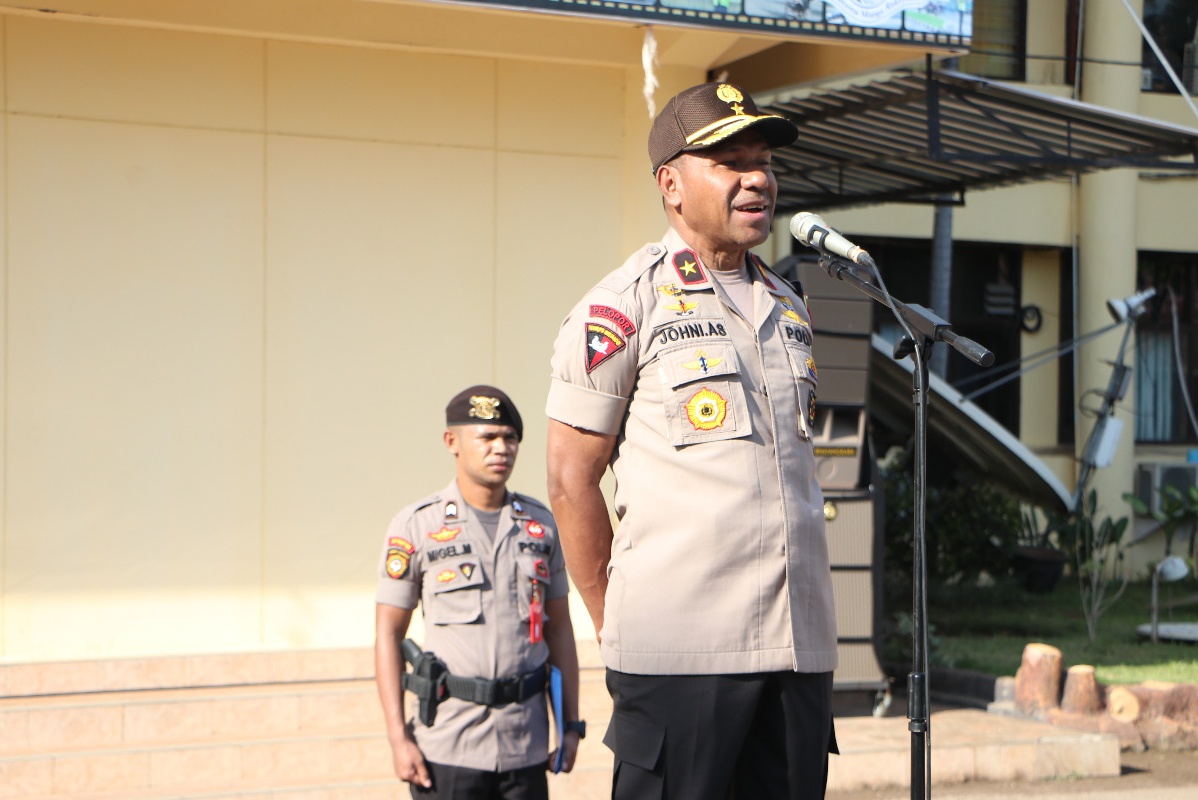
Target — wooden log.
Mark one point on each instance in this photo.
(1181, 704)
(1038, 680)
(1081, 695)
(1122, 704)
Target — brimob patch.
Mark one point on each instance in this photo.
(602, 344)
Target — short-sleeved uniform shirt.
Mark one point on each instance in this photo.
(719, 563)
(476, 595)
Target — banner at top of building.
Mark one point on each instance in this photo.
(946, 23)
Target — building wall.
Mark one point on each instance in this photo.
(242, 277)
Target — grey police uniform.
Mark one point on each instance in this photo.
(719, 562)
(476, 596)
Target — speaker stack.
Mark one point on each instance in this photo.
(842, 322)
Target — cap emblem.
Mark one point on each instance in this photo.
(484, 407)
(732, 96)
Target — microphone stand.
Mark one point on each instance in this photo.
(922, 328)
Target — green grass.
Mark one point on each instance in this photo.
(986, 630)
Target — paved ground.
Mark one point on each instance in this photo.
(1145, 776)
(1161, 775)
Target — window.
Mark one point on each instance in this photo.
(999, 40)
(1171, 24)
(1162, 411)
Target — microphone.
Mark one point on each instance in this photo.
(811, 230)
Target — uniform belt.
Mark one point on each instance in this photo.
(497, 692)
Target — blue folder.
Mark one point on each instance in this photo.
(555, 695)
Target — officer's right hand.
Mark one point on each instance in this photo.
(409, 763)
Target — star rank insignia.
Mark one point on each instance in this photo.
(686, 264)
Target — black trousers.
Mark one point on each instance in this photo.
(462, 783)
(721, 737)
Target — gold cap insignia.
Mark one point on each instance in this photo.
(732, 96)
(484, 407)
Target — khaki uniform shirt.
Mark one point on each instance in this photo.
(475, 594)
(719, 562)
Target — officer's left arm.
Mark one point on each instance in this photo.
(559, 636)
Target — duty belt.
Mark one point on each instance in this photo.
(431, 681)
(497, 692)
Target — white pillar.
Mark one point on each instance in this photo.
(1107, 241)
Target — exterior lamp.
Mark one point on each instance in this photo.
(1129, 307)
(1171, 568)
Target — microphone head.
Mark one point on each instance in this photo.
(802, 223)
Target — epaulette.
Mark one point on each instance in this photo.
(529, 501)
(634, 267)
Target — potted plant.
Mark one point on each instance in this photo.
(1041, 550)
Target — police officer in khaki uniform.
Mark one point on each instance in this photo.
(690, 371)
(485, 565)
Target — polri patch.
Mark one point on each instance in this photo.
(686, 264)
(397, 563)
(615, 317)
(602, 344)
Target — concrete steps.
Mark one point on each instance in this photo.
(270, 726)
(308, 727)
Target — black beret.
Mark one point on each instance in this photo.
(483, 405)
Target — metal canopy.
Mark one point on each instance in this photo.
(916, 137)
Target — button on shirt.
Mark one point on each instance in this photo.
(719, 562)
(475, 593)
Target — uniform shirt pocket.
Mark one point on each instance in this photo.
(532, 570)
(456, 593)
(802, 364)
(703, 395)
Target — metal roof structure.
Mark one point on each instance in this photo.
(917, 137)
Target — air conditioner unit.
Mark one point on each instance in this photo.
(1152, 478)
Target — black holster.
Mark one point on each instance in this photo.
(426, 680)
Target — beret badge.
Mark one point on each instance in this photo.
(482, 407)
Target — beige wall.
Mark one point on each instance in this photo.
(243, 277)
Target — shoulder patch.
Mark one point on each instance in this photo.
(601, 344)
